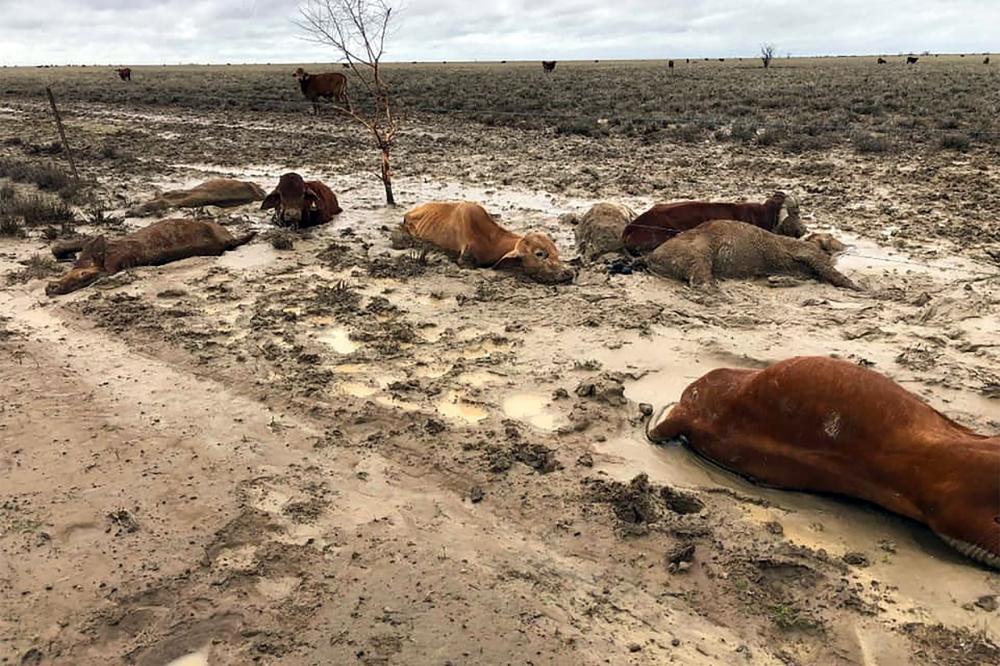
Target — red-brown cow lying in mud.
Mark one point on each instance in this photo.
(468, 231)
(331, 85)
(159, 243)
(302, 203)
(825, 425)
(779, 214)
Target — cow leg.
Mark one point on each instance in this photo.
(700, 272)
(823, 268)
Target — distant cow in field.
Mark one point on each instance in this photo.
(332, 85)
(986, 60)
(670, 64)
(124, 73)
(301, 203)
(779, 214)
(465, 230)
(912, 60)
(882, 61)
(549, 65)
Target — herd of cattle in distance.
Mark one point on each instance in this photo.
(333, 85)
(807, 423)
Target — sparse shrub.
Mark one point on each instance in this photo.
(11, 226)
(954, 141)
(35, 209)
(866, 142)
(770, 136)
(743, 130)
(578, 126)
(37, 266)
(687, 134)
(45, 176)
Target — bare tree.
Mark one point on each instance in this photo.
(767, 54)
(357, 29)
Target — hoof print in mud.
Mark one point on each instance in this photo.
(640, 505)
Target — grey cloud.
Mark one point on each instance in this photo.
(157, 31)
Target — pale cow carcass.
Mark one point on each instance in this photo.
(727, 249)
(222, 192)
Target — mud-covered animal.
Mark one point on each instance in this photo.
(599, 230)
(222, 192)
(726, 249)
(159, 243)
(465, 230)
(830, 426)
(332, 85)
(301, 203)
(779, 214)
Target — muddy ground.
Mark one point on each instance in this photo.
(341, 453)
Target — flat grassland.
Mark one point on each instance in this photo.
(343, 453)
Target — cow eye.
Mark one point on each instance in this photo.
(541, 254)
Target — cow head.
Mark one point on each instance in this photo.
(88, 267)
(292, 198)
(789, 223)
(827, 243)
(537, 256)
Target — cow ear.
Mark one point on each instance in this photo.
(270, 201)
(511, 257)
(95, 249)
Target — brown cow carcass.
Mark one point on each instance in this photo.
(222, 192)
(727, 249)
(301, 203)
(159, 243)
(331, 85)
(124, 73)
(465, 230)
(779, 214)
(829, 426)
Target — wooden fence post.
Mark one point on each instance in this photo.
(62, 134)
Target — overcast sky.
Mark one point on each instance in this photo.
(242, 31)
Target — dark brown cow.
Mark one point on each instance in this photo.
(986, 60)
(670, 64)
(824, 425)
(332, 85)
(124, 73)
(549, 65)
(159, 243)
(466, 230)
(779, 214)
(912, 60)
(301, 203)
(882, 61)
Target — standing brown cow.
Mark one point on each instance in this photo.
(912, 60)
(124, 73)
(549, 65)
(332, 85)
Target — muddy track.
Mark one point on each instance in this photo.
(340, 453)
